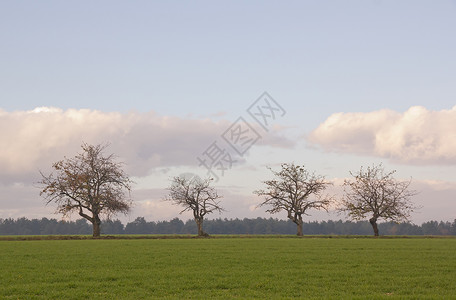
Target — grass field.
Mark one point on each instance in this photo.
(229, 268)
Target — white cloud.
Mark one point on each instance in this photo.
(33, 140)
(417, 136)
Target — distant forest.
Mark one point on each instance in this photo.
(24, 226)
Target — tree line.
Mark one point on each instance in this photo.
(45, 226)
(94, 185)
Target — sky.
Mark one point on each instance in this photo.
(344, 84)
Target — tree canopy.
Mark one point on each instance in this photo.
(195, 195)
(295, 190)
(91, 184)
(376, 193)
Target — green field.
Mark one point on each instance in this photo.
(229, 268)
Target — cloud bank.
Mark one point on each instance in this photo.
(417, 136)
(33, 140)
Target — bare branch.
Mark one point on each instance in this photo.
(378, 194)
(90, 184)
(194, 195)
(291, 190)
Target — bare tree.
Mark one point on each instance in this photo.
(195, 195)
(89, 183)
(376, 193)
(295, 190)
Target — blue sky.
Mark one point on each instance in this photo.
(207, 60)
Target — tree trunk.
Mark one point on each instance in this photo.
(199, 223)
(96, 226)
(299, 225)
(299, 229)
(373, 222)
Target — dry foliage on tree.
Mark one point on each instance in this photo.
(295, 190)
(375, 193)
(91, 184)
(195, 195)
